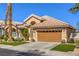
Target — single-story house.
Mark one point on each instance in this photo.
(48, 29)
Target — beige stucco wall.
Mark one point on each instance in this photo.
(64, 34)
(32, 34)
(29, 30)
(35, 36)
(32, 19)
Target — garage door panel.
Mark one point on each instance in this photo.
(49, 36)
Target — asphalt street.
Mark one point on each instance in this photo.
(6, 52)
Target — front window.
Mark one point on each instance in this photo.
(1, 31)
(33, 22)
(14, 34)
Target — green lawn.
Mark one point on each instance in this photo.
(15, 43)
(64, 47)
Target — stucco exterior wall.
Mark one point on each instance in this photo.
(64, 34)
(29, 30)
(35, 36)
(32, 19)
(69, 32)
(32, 35)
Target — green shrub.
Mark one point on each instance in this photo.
(63, 41)
(25, 33)
(71, 41)
(5, 37)
(2, 37)
(77, 43)
(33, 40)
(18, 39)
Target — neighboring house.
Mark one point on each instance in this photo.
(76, 35)
(49, 29)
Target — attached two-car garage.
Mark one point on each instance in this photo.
(48, 29)
(49, 36)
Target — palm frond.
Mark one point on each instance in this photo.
(75, 9)
(77, 5)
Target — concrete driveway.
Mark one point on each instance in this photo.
(31, 46)
(37, 48)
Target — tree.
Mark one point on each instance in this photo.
(8, 21)
(75, 8)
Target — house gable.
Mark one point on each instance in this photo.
(31, 18)
(36, 20)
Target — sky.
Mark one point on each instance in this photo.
(20, 11)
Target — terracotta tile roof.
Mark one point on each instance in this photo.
(22, 25)
(51, 22)
(14, 22)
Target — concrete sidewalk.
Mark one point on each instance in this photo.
(76, 52)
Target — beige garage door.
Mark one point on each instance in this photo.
(53, 36)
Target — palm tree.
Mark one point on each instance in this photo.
(8, 21)
(75, 8)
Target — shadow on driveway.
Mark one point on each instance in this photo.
(6, 52)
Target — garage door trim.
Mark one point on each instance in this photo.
(49, 32)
